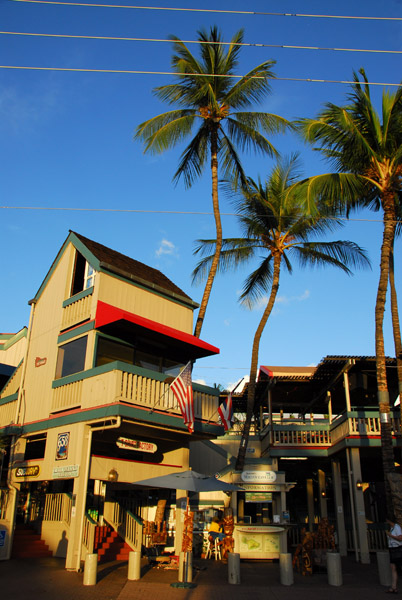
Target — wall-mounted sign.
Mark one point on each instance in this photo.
(127, 444)
(261, 487)
(31, 471)
(66, 472)
(63, 440)
(39, 362)
(258, 497)
(259, 476)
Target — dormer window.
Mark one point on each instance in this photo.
(83, 276)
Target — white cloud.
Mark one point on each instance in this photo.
(166, 247)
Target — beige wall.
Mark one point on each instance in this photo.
(14, 353)
(146, 304)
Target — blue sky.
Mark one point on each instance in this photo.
(66, 143)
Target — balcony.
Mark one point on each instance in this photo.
(317, 434)
(119, 382)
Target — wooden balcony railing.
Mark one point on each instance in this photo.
(120, 382)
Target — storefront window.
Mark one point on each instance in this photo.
(71, 357)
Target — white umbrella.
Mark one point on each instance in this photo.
(190, 481)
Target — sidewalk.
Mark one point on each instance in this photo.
(46, 579)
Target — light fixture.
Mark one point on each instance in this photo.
(323, 494)
(359, 484)
(113, 475)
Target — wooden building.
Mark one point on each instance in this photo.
(89, 411)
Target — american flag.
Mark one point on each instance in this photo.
(183, 392)
(225, 411)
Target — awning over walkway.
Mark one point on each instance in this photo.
(128, 326)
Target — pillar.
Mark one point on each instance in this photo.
(73, 559)
(360, 512)
(310, 503)
(339, 508)
(322, 494)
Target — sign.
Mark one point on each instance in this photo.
(66, 472)
(2, 537)
(127, 444)
(258, 497)
(63, 440)
(32, 471)
(249, 487)
(259, 476)
(39, 362)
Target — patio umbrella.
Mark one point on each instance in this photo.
(191, 481)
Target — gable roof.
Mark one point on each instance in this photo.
(107, 260)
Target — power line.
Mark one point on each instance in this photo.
(161, 40)
(132, 72)
(216, 11)
(161, 212)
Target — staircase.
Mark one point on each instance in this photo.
(28, 544)
(109, 545)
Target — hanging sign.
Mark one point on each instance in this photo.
(62, 446)
(259, 476)
(32, 471)
(127, 444)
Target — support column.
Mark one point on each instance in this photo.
(73, 559)
(181, 504)
(310, 503)
(322, 494)
(359, 506)
(339, 508)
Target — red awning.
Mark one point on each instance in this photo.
(128, 326)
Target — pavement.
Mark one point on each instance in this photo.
(46, 579)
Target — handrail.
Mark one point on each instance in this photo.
(125, 523)
(88, 535)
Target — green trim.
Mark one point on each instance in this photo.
(13, 338)
(124, 411)
(118, 365)
(136, 519)
(76, 331)
(78, 296)
(301, 427)
(8, 399)
(90, 519)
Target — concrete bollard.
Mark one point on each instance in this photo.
(185, 567)
(90, 569)
(286, 568)
(134, 565)
(233, 568)
(384, 568)
(334, 568)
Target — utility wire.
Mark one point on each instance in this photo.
(212, 10)
(253, 45)
(132, 72)
(164, 212)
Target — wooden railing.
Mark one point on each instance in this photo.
(125, 523)
(88, 536)
(120, 382)
(58, 508)
(76, 311)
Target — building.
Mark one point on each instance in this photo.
(314, 452)
(89, 411)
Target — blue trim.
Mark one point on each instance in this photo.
(78, 296)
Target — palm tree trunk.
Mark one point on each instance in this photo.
(395, 321)
(218, 227)
(382, 385)
(241, 456)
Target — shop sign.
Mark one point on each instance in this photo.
(258, 497)
(260, 488)
(259, 476)
(39, 362)
(127, 444)
(62, 446)
(31, 471)
(66, 472)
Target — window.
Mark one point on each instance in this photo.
(84, 275)
(109, 351)
(71, 357)
(36, 446)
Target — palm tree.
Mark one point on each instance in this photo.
(209, 97)
(366, 151)
(275, 227)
